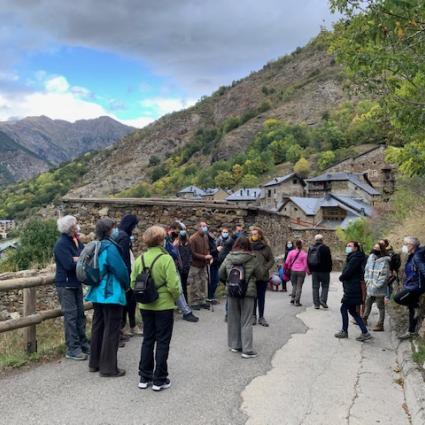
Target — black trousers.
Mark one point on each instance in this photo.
(105, 337)
(129, 309)
(183, 279)
(411, 300)
(157, 332)
(261, 298)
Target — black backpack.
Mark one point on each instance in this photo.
(237, 284)
(395, 262)
(313, 257)
(145, 291)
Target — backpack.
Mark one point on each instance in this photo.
(395, 262)
(313, 257)
(236, 282)
(87, 268)
(145, 291)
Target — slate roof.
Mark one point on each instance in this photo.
(245, 194)
(196, 191)
(355, 178)
(8, 244)
(279, 180)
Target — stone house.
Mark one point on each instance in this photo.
(245, 196)
(215, 194)
(191, 192)
(347, 184)
(327, 212)
(276, 191)
(5, 227)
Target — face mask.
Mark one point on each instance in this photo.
(225, 235)
(404, 249)
(114, 233)
(78, 228)
(182, 233)
(348, 249)
(204, 229)
(132, 238)
(237, 234)
(254, 238)
(289, 245)
(376, 252)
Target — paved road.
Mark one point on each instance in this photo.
(207, 379)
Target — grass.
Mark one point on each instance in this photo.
(419, 354)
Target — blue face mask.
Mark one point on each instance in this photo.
(115, 232)
(182, 233)
(348, 250)
(225, 235)
(289, 245)
(205, 229)
(132, 238)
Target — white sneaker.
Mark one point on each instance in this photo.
(249, 355)
(164, 386)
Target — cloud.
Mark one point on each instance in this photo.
(199, 44)
(158, 106)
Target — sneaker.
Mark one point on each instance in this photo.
(78, 357)
(124, 338)
(144, 383)
(364, 337)
(235, 350)
(117, 374)
(292, 301)
(407, 335)
(378, 328)
(317, 307)
(298, 304)
(341, 334)
(93, 369)
(263, 322)
(323, 304)
(249, 355)
(254, 320)
(205, 306)
(190, 317)
(196, 307)
(86, 349)
(136, 331)
(163, 386)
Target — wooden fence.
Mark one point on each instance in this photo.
(31, 318)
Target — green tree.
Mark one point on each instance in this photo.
(358, 230)
(302, 167)
(326, 159)
(225, 180)
(249, 180)
(294, 153)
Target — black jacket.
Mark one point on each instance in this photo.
(65, 248)
(185, 257)
(227, 245)
(325, 259)
(351, 277)
(124, 242)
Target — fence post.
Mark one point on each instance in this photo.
(30, 335)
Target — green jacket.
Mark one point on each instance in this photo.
(250, 265)
(165, 276)
(265, 259)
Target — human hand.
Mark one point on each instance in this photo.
(75, 259)
(208, 257)
(219, 248)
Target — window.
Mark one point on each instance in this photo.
(333, 213)
(269, 193)
(295, 209)
(274, 191)
(294, 181)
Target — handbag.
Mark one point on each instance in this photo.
(287, 272)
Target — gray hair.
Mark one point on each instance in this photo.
(318, 238)
(66, 223)
(411, 240)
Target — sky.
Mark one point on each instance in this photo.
(136, 60)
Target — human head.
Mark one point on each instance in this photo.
(410, 244)
(202, 227)
(242, 244)
(299, 244)
(378, 249)
(104, 228)
(289, 244)
(257, 233)
(225, 231)
(238, 230)
(67, 225)
(128, 223)
(154, 236)
(173, 229)
(352, 246)
(319, 238)
(385, 243)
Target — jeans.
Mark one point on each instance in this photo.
(320, 278)
(297, 280)
(261, 298)
(380, 302)
(105, 338)
(129, 309)
(239, 323)
(213, 281)
(157, 331)
(182, 305)
(71, 301)
(411, 301)
(350, 308)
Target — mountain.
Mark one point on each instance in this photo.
(298, 88)
(36, 144)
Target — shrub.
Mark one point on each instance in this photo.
(154, 160)
(358, 230)
(302, 167)
(230, 124)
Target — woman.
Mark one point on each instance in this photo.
(158, 316)
(376, 275)
(239, 323)
(289, 246)
(296, 265)
(351, 277)
(184, 258)
(66, 252)
(108, 299)
(265, 262)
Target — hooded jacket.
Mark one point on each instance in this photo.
(376, 275)
(126, 227)
(265, 259)
(250, 264)
(351, 277)
(415, 271)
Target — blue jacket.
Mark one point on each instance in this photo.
(65, 248)
(115, 281)
(415, 271)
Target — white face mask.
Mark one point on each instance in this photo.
(404, 249)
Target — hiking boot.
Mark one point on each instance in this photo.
(136, 331)
(93, 369)
(144, 383)
(196, 307)
(407, 335)
(323, 304)
(117, 374)
(254, 320)
(341, 334)
(205, 306)
(298, 304)
(249, 355)
(263, 322)
(378, 328)
(235, 350)
(190, 317)
(158, 387)
(364, 337)
(317, 307)
(78, 357)
(292, 301)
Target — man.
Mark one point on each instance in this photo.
(239, 231)
(198, 274)
(224, 244)
(414, 282)
(171, 241)
(319, 261)
(395, 264)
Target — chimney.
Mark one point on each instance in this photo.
(247, 192)
(241, 192)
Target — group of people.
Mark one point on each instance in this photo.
(186, 271)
